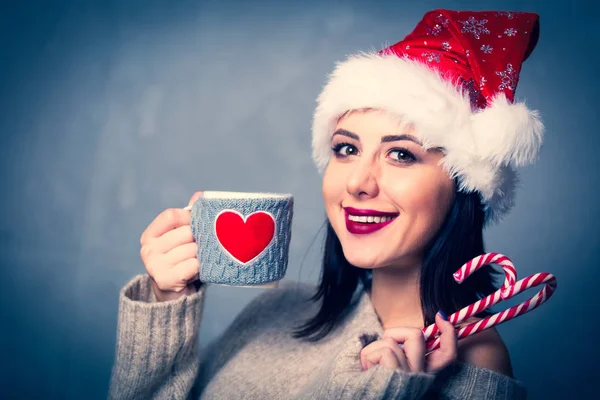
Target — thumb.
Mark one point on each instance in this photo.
(447, 330)
(194, 198)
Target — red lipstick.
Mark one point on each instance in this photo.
(374, 213)
(366, 227)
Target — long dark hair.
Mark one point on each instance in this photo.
(459, 239)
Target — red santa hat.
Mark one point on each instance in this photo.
(453, 79)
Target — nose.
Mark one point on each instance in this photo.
(362, 181)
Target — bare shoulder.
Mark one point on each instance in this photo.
(486, 349)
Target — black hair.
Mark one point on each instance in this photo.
(459, 239)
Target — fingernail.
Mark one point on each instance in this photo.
(444, 317)
(188, 208)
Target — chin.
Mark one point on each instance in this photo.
(365, 261)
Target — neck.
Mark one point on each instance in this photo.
(396, 298)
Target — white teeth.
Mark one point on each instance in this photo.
(369, 219)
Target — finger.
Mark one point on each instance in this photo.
(413, 345)
(383, 356)
(187, 271)
(172, 239)
(195, 198)
(389, 343)
(392, 345)
(165, 221)
(448, 341)
(181, 253)
(177, 278)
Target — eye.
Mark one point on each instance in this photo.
(344, 150)
(401, 155)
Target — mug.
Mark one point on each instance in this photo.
(243, 238)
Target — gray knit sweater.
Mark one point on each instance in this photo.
(257, 358)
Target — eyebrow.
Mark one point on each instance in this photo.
(385, 139)
(393, 138)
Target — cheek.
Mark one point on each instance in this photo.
(408, 191)
(437, 205)
(332, 185)
(421, 195)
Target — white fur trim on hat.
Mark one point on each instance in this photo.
(481, 147)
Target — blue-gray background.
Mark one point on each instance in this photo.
(111, 111)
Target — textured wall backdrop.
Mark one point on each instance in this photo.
(112, 111)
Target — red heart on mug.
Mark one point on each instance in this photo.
(244, 238)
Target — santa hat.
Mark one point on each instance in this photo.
(453, 79)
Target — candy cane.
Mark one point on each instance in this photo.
(463, 273)
(531, 281)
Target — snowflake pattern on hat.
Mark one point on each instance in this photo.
(435, 30)
(474, 93)
(432, 57)
(476, 28)
(478, 56)
(509, 78)
(442, 20)
(486, 48)
(509, 15)
(482, 82)
(472, 47)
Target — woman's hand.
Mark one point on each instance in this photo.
(168, 251)
(411, 356)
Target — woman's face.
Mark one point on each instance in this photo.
(385, 196)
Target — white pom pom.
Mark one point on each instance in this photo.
(507, 133)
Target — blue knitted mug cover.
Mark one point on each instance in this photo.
(243, 238)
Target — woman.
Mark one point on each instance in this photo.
(418, 144)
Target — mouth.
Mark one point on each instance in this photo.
(362, 221)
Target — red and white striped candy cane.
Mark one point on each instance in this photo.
(463, 273)
(533, 280)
